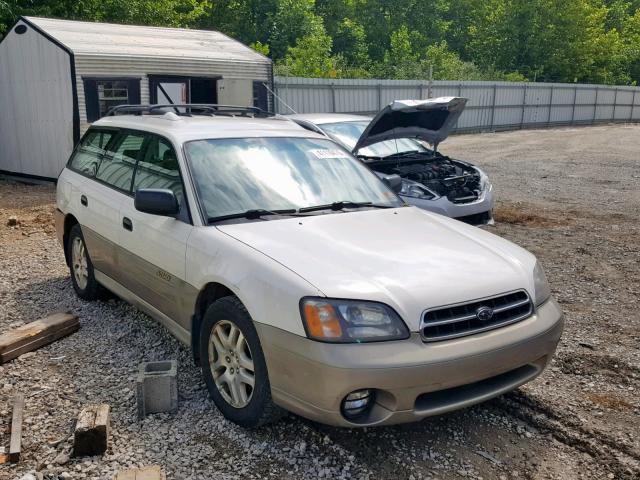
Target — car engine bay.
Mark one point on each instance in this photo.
(456, 180)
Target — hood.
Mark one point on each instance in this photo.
(405, 257)
(430, 120)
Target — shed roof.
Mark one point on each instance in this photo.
(92, 38)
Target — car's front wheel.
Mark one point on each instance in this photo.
(233, 365)
(80, 266)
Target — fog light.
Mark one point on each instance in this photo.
(357, 403)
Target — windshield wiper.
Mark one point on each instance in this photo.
(341, 205)
(253, 214)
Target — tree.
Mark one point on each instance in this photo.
(292, 20)
(169, 13)
(310, 57)
(400, 60)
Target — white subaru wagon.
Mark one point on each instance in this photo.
(297, 276)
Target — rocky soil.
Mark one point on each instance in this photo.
(572, 196)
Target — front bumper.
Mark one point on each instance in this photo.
(475, 213)
(412, 379)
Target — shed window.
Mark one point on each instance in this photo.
(112, 93)
(102, 94)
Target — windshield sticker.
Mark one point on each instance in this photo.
(333, 153)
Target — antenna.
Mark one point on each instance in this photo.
(278, 98)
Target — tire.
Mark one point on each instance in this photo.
(82, 276)
(229, 355)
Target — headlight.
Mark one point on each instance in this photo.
(415, 190)
(485, 184)
(541, 287)
(350, 321)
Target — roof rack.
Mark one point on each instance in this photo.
(190, 109)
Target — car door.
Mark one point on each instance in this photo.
(154, 247)
(98, 202)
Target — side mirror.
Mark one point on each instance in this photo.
(394, 182)
(156, 201)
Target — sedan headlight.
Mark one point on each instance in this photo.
(351, 321)
(541, 287)
(415, 190)
(485, 184)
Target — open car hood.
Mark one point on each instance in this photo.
(430, 120)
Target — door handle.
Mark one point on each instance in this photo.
(83, 200)
(127, 224)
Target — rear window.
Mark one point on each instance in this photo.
(116, 168)
(90, 151)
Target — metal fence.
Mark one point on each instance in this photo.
(492, 105)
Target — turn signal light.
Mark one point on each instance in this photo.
(322, 321)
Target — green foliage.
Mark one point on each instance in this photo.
(514, 40)
(310, 57)
(260, 47)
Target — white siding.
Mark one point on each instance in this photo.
(36, 130)
(235, 89)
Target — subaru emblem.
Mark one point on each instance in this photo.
(484, 314)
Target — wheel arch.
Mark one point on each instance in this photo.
(69, 222)
(211, 292)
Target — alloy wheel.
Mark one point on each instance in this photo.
(231, 363)
(79, 263)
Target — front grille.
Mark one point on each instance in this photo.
(443, 323)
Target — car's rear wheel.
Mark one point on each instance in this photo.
(80, 266)
(233, 365)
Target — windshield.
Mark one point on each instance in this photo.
(348, 133)
(240, 174)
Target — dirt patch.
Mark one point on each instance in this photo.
(516, 215)
(527, 215)
(609, 400)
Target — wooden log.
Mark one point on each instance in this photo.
(15, 443)
(91, 436)
(36, 334)
(153, 472)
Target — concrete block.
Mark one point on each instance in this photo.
(91, 436)
(154, 472)
(157, 387)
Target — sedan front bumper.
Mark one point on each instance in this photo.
(478, 212)
(412, 379)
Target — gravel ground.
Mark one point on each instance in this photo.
(569, 195)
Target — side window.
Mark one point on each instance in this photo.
(158, 168)
(117, 166)
(88, 154)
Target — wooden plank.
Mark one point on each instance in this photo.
(125, 475)
(150, 473)
(91, 436)
(153, 472)
(16, 428)
(36, 334)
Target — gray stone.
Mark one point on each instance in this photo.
(62, 459)
(157, 387)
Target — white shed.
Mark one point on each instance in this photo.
(58, 76)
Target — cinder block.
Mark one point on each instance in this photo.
(91, 436)
(157, 387)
